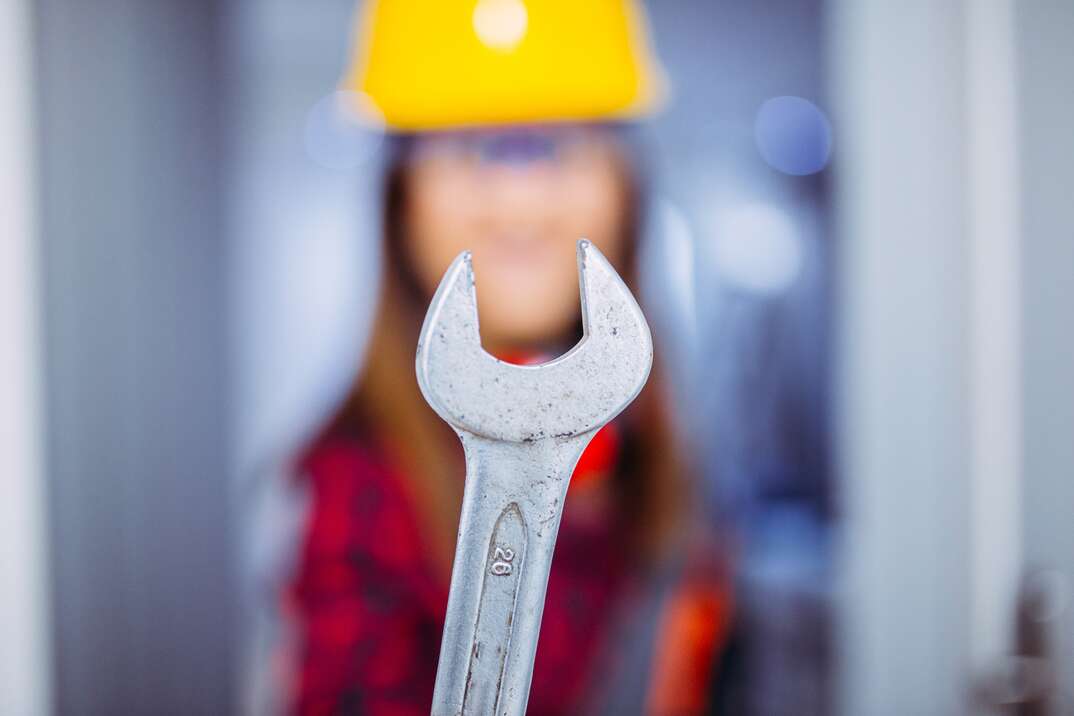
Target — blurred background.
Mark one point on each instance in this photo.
(864, 239)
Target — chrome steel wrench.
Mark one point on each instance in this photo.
(523, 428)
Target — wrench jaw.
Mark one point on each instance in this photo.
(616, 340)
(576, 393)
(450, 333)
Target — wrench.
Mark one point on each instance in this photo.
(523, 428)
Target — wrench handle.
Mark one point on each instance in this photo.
(510, 516)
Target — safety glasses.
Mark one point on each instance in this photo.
(512, 147)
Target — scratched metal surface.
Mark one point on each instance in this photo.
(523, 429)
(582, 389)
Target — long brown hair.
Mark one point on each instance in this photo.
(385, 406)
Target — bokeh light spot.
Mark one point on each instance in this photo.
(793, 135)
(757, 248)
(500, 24)
(343, 130)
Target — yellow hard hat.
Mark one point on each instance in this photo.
(439, 64)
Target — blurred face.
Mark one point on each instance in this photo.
(519, 199)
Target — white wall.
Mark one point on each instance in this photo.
(953, 194)
(303, 238)
(898, 82)
(24, 652)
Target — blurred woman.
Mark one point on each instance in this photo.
(508, 140)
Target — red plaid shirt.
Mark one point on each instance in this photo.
(370, 606)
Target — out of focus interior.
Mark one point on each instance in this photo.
(865, 248)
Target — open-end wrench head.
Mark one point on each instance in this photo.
(574, 394)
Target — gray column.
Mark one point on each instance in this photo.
(129, 103)
(1046, 69)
